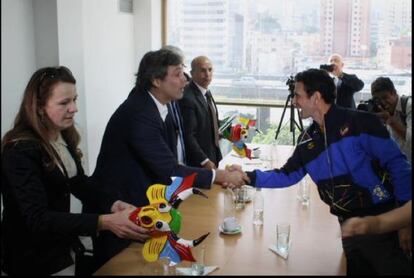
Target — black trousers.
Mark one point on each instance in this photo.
(376, 255)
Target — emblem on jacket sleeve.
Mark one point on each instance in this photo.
(379, 194)
(311, 145)
(163, 220)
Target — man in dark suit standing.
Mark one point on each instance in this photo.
(200, 117)
(346, 84)
(139, 146)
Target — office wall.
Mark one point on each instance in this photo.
(45, 33)
(17, 56)
(110, 64)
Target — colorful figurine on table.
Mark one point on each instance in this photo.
(163, 220)
(237, 134)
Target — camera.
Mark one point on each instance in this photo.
(372, 105)
(291, 83)
(328, 68)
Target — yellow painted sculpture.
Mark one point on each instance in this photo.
(163, 220)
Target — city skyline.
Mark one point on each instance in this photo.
(241, 38)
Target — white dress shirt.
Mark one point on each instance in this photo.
(163, 109)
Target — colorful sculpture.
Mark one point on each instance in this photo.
(163, 220)
(237, 134)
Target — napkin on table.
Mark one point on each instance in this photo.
(187, 270)
(274, 248)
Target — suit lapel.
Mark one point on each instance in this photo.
(199, 96)
(140, 98)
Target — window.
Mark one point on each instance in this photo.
(269, 40)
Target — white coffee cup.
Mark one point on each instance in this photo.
(230, 224)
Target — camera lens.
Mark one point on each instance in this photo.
(328, 68)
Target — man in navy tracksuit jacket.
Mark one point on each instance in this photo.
(358, 168)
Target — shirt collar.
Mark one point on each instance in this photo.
(203, 90)
(162, 108)
(59, 140)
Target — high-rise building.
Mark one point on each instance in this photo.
(204, 30)
(345, 27)
(398, 17)
(401, 53)
(392, 29)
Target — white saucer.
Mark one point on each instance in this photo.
(235, 232)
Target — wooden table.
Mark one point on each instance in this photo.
(316, 245)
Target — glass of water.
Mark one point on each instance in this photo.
(197, 267)
(283, 237)
(303, 194)
(240, 195)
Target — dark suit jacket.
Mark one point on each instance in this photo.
(345, 94)
(37, 228)
(137, 152)
(198, 127)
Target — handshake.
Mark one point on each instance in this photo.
(232, 176)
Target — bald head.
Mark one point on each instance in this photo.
(335, 56)
(336, 59)
(202, 71)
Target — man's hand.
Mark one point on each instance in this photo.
(384, 115)
(393, 122)
(234, 167)
(209, 165)
(231, 179)
(359, 226)
(120, 224)
(405, 238)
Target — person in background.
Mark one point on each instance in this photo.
(200, 116)
(395, 112)
(140, 141)
(41, 167)
(348, 154)
(346, 84)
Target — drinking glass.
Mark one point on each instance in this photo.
(197, 267)
(283, 237)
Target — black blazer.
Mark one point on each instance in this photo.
(37, 228)
(136, 152)
(349, 86)
(198, 127)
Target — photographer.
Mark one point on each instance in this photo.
(346, 84)
(394, 111)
